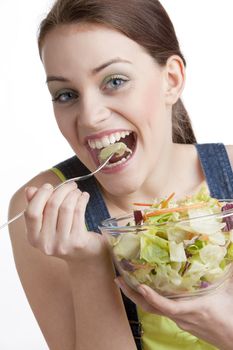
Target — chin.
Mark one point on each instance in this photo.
(121, 186)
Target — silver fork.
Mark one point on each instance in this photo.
(79, 178)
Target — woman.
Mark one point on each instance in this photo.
(114, 70)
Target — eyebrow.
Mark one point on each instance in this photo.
(55, 78)
(93, 71)
(106, 64)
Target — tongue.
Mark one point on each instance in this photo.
(116, 158)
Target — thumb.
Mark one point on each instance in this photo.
(79, 217)
(166, 306)
(30, 192)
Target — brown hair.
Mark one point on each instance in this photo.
(144, 21)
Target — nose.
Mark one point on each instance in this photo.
(93, 112)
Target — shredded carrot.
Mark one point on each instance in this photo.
(190, 235)
(204, 237)
(164, 203)
(178, 209)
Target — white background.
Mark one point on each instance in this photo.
(29, 138)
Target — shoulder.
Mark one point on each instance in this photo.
(229, 149)
(39, 274)
(18, 199)
(70, 167)
(17, 229)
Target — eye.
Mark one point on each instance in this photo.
(64, 96)
(114, 82)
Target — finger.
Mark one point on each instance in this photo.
(34, 212)
(170, 308)
(66, 214)
(51, 211)
(30, 192)
(79, 226)
(136, 297)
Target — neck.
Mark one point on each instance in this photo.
(160, 183)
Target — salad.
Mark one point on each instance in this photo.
(118, 149)
(177, 247)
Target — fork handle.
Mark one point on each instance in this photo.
(13, 219)
(55, 188)
(79, 178)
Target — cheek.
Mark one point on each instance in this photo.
(153, 107)
(67, 127)
(150, 105)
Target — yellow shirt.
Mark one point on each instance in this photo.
(161, 333)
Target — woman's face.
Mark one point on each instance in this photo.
(104, 87)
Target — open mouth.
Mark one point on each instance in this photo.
(127, 137)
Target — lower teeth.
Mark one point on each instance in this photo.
(123, 160)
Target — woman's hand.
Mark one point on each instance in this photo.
(208, 317)
(55, 222)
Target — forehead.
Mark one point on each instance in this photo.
(73, 44)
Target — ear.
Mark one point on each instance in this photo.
(174, 73)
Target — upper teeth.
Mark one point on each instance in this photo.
(107, 140)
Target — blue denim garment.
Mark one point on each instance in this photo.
(217, 169)
(219, 176)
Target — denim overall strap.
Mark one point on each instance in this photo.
(217, 169)
(95, 213)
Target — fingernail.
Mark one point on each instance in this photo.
(47, 186)
(142, 291)
(118, 283)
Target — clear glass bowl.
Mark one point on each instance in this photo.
(205, 259)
